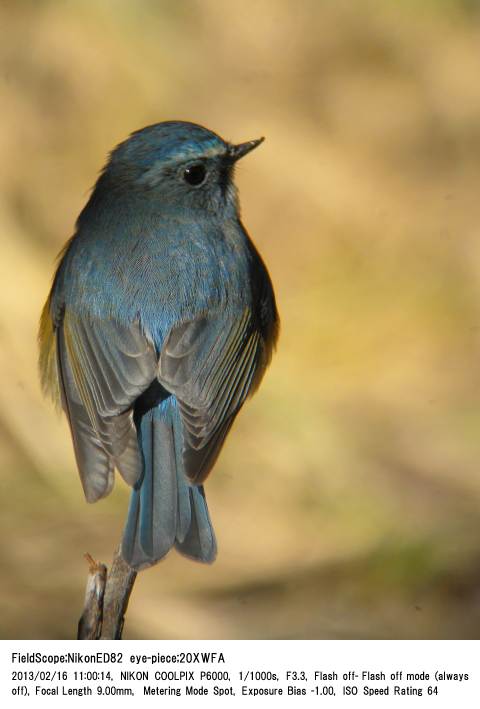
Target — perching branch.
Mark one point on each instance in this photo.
(120, 582)
(106, 599)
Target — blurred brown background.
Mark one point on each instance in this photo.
(347, 499)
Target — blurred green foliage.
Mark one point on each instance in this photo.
(347, 499)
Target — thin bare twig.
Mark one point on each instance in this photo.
(120, 582)
(90, 624)
(106, 599)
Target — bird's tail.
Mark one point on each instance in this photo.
(165, 509)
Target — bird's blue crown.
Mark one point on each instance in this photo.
(169, 141)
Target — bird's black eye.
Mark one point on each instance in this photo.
(195, 174)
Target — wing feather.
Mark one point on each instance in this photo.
(209, 364)
(104, 367)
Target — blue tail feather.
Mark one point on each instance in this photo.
(200, 542)
(184, 512)
(165, 509)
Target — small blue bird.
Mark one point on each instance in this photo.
(160, 322)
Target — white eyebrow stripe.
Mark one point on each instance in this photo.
(151, 174)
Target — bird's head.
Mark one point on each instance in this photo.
(180, 166)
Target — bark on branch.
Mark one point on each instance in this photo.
(106, 599)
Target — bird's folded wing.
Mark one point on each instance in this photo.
(104, 367)
(210, 365)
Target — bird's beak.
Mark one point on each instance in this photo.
(238, 151)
